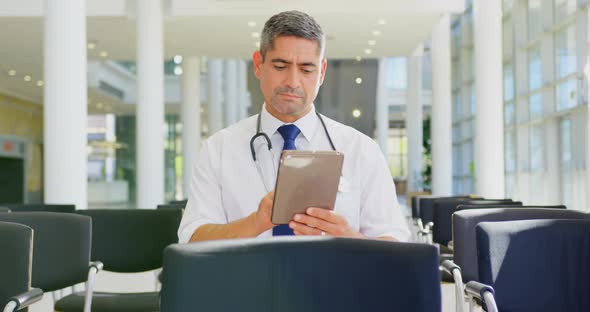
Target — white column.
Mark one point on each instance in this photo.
(587, 73)
(191, 116)
(150, 104)
(231, 92)
(382, 109)
(414, 120)
(442, 165)
(65, 103)
(244, 102)
(489, 127)
(214, 112)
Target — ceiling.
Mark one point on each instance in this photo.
(215, 28)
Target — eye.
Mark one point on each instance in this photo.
(280, 67)
(307, 71)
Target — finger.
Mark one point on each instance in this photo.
(304, 229)
(317, 223)
(325, 214)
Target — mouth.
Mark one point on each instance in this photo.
(289, 95)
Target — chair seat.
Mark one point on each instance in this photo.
(104, 301)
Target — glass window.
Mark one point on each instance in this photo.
(536, 106)
(510, 152)
(507, 38)
(507, 5)
(471, 100)
(456, 74)
(535, 18)
(567, 183)
(535, 69)
(537, 143)
(509, 114)
(508, 82)
(565, 52)
(566, 94)
(563, 9)
(397, 73)
(457, 106)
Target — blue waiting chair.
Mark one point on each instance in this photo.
(533, 265)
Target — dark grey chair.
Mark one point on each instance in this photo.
(4, 209)
(127, 241)
(16, 244)
(61, 250)
(301, 274)
(533, 265)
(464, 266)
(40, 207)
(426, 212)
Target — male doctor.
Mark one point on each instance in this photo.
(231, 197)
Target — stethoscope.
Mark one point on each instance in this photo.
(259, 133)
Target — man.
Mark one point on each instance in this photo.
(228, 196)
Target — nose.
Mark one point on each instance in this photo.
(292, 79)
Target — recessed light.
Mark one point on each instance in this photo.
(257, 44)
(359, 58)
(251, 24)
(104, 53)
(358, 80)
(91, 45)
(39, 83)
(376, 33)
(368, 51)
(12, 72)
(381, 22)
(255, 35)
(356, 113)
(372, 42)
(178, 70)
(177, 59)
(27, 78)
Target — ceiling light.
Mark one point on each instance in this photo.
(251, 24)
(257, 44)
(91, 45)
(178, 70)
(39, 83)
(104, 53)
(27, 78)
(358, 80)
(177, 59)
(368, 51)
(12, 72)
(356, 113)
(381, 22)
(376, 33)
(372, 42)
(359, 58)
(255, 35)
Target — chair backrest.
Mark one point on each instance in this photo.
(132, 240)
(16, 244)
(426, 206)
(172, 206)
(40, 207)
(301, 274)
(443, 211)
(464, 222)
(61, 248)
(536, 265)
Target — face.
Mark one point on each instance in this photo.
(290, 76)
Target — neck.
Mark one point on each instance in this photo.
(287, 118)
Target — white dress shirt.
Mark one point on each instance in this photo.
(226, 184)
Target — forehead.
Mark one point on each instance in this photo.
(295, 47)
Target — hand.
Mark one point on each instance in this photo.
(318, 221)
(262, 215)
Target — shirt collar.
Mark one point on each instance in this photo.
(307, 124)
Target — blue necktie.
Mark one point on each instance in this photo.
(289, 133)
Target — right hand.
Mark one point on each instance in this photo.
(264, 212)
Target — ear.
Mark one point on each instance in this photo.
(323, 71)
(257, 62)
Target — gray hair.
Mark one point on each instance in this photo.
(291, 23)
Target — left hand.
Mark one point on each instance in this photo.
(318, 221)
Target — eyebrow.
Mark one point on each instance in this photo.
(280, 60)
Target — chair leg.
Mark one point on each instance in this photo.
(95, 267)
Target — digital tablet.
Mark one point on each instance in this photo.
(305, 179)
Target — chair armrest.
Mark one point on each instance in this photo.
(482, 292)
(453, 269)
(96, 264)
(25, 299)
(449, 266)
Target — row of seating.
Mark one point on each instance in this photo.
(70, 248)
